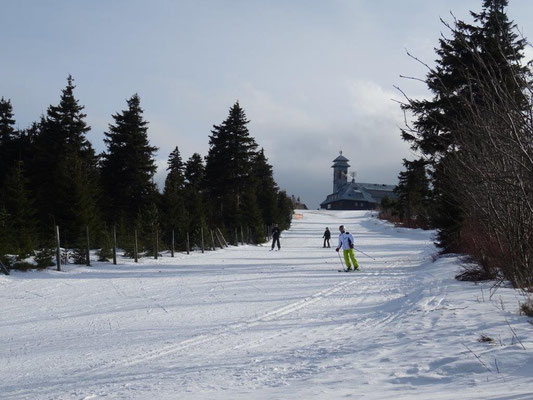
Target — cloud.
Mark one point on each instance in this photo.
(304, 131)
(303, 134)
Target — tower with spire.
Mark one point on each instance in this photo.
(340, 172)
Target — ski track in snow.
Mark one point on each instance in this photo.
(245, 322)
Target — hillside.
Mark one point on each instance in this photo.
(246, 322)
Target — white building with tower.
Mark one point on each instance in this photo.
(353, 195)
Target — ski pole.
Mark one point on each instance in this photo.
(340, 259)
(365, 254)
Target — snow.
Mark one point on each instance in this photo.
(245, 322)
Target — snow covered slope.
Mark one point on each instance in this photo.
(248, 323)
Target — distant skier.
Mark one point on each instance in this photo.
(346, 242)
(327, 236)
(275, 237)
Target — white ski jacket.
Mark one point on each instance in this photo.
(344, 241)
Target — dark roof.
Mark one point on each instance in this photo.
(340, 161)
(350, 191)
(376, 186)
(341, 158)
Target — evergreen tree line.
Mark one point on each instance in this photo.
(474, 181)
(51, 176)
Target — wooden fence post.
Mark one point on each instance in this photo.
(172, 245)
(212, 241)
(135, 247)
(188, 244)
(156, 253)
(202, 234)
(58, 249)
(88, 253)
(114, 244)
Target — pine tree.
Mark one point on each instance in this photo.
(413, 192)
(24, 144)
(128, 166)
(106, 250)
(7, 122)
(195, 172)
(501, 50)
(64, 174)
(150, 233)
(250, 215)
(18, 204)
(267, 190)
(228, 170)
(486, 51)
(7, 138)
(174, 210)
(285, 210)
(194, 197)
(5, 233)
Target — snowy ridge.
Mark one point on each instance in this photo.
(248, 323)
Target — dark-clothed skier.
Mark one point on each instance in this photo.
(326, 236)
(275, 237)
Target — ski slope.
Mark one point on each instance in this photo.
(248, 323)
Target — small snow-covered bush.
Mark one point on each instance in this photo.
(43, 259)
(23, 266)
(105, 254)
(79, 256)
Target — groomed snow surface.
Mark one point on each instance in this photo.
(248, 323)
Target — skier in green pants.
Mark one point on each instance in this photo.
(346, 242)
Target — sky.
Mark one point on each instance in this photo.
(314, 77)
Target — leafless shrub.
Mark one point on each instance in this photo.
(475, 273)
(527, 308)
(485, 339)
(492, 166)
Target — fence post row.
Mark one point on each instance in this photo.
(214, 233)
